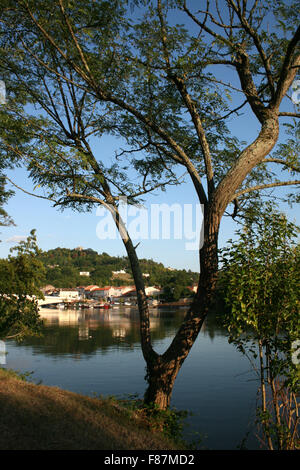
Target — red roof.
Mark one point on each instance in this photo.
(130, 291)
(91, 287)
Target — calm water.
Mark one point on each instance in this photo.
(99, 353)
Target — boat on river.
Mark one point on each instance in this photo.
(102, 305)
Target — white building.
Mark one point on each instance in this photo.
(110, 291)
(68, 294)
(99, 293)
(152, 290)
(84, 273)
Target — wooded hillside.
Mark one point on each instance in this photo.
(63, 267)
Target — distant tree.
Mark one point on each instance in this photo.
(261, 280)
(5, 219)
(20, 279)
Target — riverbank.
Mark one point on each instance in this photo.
(49, 418)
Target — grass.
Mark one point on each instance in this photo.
(39, 417)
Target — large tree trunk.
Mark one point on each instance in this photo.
(162, 370)
(148, 352)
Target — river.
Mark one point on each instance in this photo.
(98, 353)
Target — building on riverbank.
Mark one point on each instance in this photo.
(68, 294)
(88, 291)
(48, 289)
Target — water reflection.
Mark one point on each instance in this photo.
(98, 352)
(85, 331)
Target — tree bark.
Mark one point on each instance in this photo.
(148, 352)
(163, 369)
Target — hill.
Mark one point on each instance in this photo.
(63, 268)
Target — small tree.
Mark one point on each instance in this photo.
(20, 278)
(260, 279)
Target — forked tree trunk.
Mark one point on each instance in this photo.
(162, 370)
(148, 352)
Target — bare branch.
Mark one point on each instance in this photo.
(232, 111)
(181, 86)
(264, 186)
(296, 115)
(28, 192)
(288, 69)
(191, 170)
(206, 28)
(248, 28)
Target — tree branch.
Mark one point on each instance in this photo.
(206, 28)
(28, 192)
(281, 162)
(264, 186)
(296, 115)
(248, 28)
(181, 87)
(288, 70)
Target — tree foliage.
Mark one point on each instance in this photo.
(260, 278)
(20, 278)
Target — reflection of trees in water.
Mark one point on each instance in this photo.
(213, 326)
(84, 333)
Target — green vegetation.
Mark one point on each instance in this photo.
(48, 418)
(63, 266)
(5, 219)
(261, 285)
(20, 276)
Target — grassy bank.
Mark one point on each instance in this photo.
(41, 417)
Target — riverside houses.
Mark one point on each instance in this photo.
(112, 292)
(68, 294)
(88, 291)
(109, 292)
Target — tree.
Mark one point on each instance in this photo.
(5, 219)
(260, 278)
(20, 278)
(160, 87)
